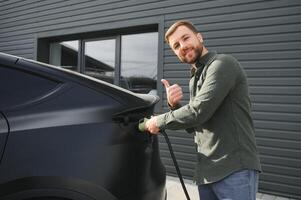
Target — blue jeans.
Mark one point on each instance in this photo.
(241, 185)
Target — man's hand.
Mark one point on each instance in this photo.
(174, 93)
(151, 125)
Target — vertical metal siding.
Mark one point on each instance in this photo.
(265, 36)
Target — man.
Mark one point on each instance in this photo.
(218, 112)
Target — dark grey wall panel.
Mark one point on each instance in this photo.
(265, 36)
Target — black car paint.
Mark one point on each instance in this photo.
(3, 134)
(77, 140)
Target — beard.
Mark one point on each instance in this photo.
(193, 54)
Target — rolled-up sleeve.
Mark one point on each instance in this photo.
(220, 78)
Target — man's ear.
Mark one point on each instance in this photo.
(200, 37)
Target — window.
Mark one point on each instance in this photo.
(127, 60)
(29, 87)
(64, 54)
(100, 59)
(139, 58)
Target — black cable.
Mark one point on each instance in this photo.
(175, 163)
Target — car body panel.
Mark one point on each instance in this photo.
(77, 133)
(3, 134)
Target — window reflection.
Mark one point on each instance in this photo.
(136, 59)
(64, 54)
(100, 59)
(139, 58)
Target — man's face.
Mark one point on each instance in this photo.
(186, 44)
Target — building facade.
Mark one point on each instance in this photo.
(122, 42)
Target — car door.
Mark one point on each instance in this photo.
(3, 134)
(4, 128)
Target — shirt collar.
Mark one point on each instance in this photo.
(202, 61)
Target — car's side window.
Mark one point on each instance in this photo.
(19, 87)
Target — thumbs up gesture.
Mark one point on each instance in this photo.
(174, 93)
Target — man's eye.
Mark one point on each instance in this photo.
(176, 46)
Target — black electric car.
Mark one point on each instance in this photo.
(66, 136)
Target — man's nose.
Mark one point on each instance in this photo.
(183, 46)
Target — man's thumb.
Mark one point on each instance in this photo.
(165, 83)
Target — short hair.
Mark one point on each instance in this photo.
(173, 28)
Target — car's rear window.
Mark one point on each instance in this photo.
(20, 87)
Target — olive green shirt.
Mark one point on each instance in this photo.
(219, 113)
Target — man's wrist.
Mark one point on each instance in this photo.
(173, 107)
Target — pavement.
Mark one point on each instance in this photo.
(175, 191)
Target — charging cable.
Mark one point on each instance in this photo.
(141, 127)
(175, 163)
